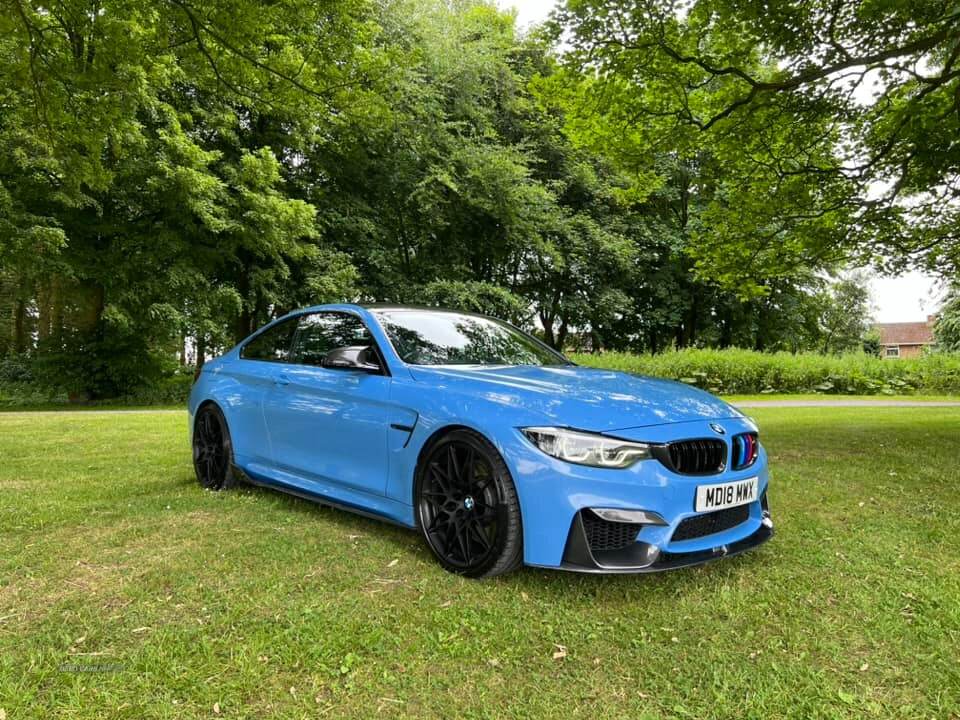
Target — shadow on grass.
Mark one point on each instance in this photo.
(556, 584)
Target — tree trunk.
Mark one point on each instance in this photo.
(201, 351)
(692, 321)
(91, 310)
(20, 326)
(726, 328)
(56, 310)
(547, 322)
(43, 312)
(596, 343)
(561, 335)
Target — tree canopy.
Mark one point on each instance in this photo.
(836, 124)
(630, 176)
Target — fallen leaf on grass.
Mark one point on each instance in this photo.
(3, 714)
(393, 562)
(137, 631)
(216, 708)
(864, 667)
(560, 653)
(524, 596)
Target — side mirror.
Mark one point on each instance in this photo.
(353, 357)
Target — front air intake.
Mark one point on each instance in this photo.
(605, 535)
(699, 526)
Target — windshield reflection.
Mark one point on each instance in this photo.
(442, 338)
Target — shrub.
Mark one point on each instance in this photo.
(748, 372)
(15, 369)
(168, 390)
(172, 388)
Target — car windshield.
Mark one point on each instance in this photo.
(422, 337)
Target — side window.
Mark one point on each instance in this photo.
(319, 333)
(272, 345)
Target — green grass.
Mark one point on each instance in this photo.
(128, 592)
(767, 397)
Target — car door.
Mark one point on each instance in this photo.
(330, 424)
(254, 370)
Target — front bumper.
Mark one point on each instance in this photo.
(554, 495)
(642, 557)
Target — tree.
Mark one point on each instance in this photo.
(141, 175)
(836, 123)
(845, 318)
(177, 174)
(947, 327)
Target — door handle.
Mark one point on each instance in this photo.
(281, 379)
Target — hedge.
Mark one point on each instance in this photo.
(170, 390)
(722, 371)
(734, 371)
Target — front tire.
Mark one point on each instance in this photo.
(212, 449)
(467, 506)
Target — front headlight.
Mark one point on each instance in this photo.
(587, 448)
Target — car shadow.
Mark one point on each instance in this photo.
(559, 584)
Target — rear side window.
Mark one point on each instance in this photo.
(319, 333)
(272, 345)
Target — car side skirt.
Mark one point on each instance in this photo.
(353, 501)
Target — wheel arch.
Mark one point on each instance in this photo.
(205, 403)
(508, 555)
(435, 436)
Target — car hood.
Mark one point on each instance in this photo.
(580, 397)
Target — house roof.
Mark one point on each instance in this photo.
(906, 333)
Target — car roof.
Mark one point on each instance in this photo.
(389, 307)
(392, 307)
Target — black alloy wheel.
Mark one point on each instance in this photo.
(212, 449)
(467, 506)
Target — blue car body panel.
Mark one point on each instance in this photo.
(354, 439)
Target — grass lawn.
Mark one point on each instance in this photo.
(126, 591)
(834, 398)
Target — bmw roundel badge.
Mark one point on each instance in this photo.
(718, 429)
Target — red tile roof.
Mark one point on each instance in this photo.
(905, 333)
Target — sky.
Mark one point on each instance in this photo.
(528, 11)
(912, 296)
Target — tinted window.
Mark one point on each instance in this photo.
(319, 333)
(422, 337)
(272, 344)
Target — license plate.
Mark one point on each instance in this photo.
(726, 495)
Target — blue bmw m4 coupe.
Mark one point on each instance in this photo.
(498, 449)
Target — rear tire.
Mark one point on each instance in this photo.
(213, 449)
(467, 506)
